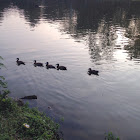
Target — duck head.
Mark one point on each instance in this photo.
(57, 66)
(89, 69)
(47, 63)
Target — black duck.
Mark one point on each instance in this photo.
(61, 67)
(90, 71)
(48, 66)
(38, 64)
(20, 62)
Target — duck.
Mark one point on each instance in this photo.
(20, 62)
(38, 64)
(90, 71)
(61, 67)
(49, 66)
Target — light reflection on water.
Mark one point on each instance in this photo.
(93, 34)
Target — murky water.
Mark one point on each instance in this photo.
(79, 34)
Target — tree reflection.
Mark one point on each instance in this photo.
(104, 25)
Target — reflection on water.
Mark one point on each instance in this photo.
(100, 34)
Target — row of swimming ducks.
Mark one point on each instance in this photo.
(48, 66)
(41, 65)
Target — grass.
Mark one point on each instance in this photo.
(13, 118)
(110, 136)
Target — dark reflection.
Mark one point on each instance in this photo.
(102, 24)
(134, 51)
(37, 65)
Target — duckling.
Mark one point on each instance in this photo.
(20, 62)
(49, 66)
(61, 67)
(38, 64)
(90, 71)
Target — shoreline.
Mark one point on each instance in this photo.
(18, 121)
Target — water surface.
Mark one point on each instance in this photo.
(102, 35)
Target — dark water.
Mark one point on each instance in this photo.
(101, 34)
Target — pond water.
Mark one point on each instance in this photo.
(100, 34)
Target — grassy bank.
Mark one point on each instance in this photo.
(24, 123)
(15, 120)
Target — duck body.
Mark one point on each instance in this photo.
(38, 64)
(49, 66)
(90, 71)
(61, 67)
(20, 62)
